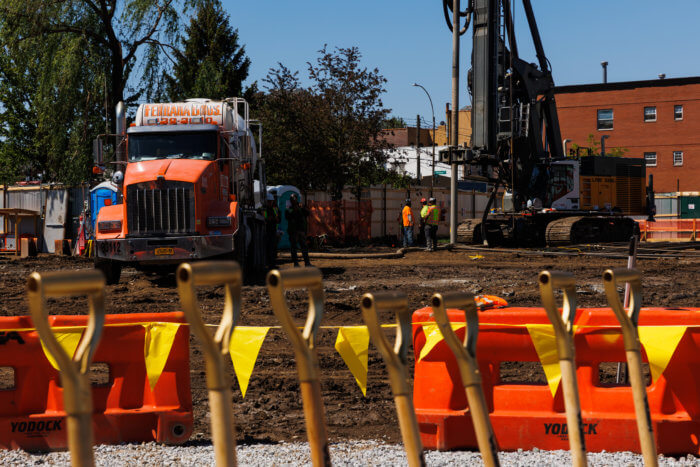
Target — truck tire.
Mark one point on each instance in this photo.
(111, 269)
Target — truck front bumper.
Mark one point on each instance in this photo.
(164, 250)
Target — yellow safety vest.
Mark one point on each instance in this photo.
(433, 217)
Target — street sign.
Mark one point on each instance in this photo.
(440, 172)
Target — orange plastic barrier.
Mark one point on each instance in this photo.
(125, 408)
(669, 230)
(525, 415)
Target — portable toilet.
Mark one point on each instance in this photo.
(284, 192)
(98, 198)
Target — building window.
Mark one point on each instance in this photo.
(649, 114)
(650, 159)
(605, 119)
(678, 112)
(677, 158)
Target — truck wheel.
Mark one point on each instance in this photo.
(111, 269)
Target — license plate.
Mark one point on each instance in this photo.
(164, 251)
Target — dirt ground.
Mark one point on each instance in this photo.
(272, 409)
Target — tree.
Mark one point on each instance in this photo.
(324, 136)
(295, 149)
(211, 63)
(594, 148)
(130, 35)
(51, 107)
(393, 122)
(64, 65)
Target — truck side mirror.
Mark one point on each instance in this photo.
(97, 153)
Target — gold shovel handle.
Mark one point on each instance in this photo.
(396, 359)
(304, 348)
(564, 332)
(279, 281)
(563, 322)
(628, 322)
(630, 318)
(465, 350)
(88, 282)
(77, 394)
(226, 273)
(465, 354)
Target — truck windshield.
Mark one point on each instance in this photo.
(187, 145)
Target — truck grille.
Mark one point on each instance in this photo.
(162, 211)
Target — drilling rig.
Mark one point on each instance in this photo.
(516, 146)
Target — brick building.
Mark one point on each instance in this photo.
(399, 137)
(657, 119)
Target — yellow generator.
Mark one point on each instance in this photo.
(617, 183)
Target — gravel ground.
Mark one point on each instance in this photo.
(348, 453)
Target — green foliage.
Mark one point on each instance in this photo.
(393, 122)
(62, 63)
(211, 63)
(593, 146)
(324, 136)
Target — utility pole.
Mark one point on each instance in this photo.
(432, 110)
(455, 118)
(418, 149)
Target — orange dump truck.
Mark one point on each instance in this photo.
(191, 179)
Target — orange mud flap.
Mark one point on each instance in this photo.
(526, 414)
(124, 408)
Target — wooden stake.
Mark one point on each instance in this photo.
(465, 354)
(396, 359)
(628, 322)
(564, 332)
(215, 349)
(77, 390)
(304, 349)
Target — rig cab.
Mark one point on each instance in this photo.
(191, 179)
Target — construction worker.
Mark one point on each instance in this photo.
(272, 220)
(421, 221)
(432, 219)
(407, 223)
(297, 226)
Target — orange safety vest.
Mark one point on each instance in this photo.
(407, 215)
(433, 217)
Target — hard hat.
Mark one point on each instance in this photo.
(408, 200)
(431, 200)
(422, 200)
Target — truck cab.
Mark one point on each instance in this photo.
(192, 180)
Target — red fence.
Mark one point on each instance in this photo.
(669, 230)
(343, 221)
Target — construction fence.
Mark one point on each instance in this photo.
(378, 212)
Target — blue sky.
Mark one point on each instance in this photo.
(409, 41)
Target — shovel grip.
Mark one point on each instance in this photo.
(226, 273)
(210, 273)
(58, 284)
(628, 318)
(465, 351)
(563, 322)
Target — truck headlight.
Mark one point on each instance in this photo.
(218, 221)
(109, 226)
